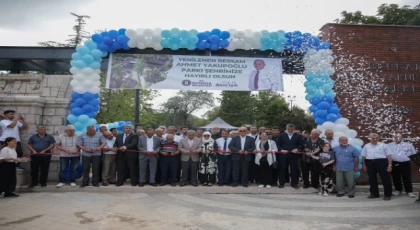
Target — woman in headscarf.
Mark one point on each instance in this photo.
(207, 168)
(265, 158)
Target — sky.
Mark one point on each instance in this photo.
(26, 22)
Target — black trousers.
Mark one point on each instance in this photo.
(284, 163)
(253, 171)
(189, 171)
(275, 174)
(379, 166)
(402, 169)
(95, 161)
(40, 166)
(7, 177)
(266, 173)
(168, 165)
(127, 163)
(240, 167)
(224, 164)
(312, 166)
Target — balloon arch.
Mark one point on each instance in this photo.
(87, 59)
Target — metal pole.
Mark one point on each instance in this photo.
(137, 108)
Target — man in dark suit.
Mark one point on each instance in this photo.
(127, 141)
(242, 148)
(290, 143)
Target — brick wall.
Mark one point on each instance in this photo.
(378, 78)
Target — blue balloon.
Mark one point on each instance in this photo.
(193, 39)
(175, 31)
(183, 34)
(73, 105)
(122, 39)
(321, 113)
(71, 118)
(79, 125)
(96, 108)
(356, 175)
(96, 95)
(174, 46)
(331, 117)
(265, 40)
(87, 108)
(223, 43)
(79, 64)
(359, 148)
(224, 35)
(319, 121)
(83, 118)
(202, 45)
(97, 38)
(96, 53)
(76, 56)
(77, 111)
(94, 102)
(113, 34)
(80, 102)
(297, 34)
(214, 46)
(116, 46)
(328, 99)
(107, 40)
(313, 108)
(339, 116)
(75, 95)
(165, 43)
(128, 122)
(87, 96)
(90, 44)
(103, 47)
(315, 101)
(324, 45)
(165, 33)
(82, 50)
(122, 31)
(333, 109)
(214, 39)
(91, 121)
(104, 34)
(91, 114)
(95, 65)
(324, 105)
(216, 32)
(88, 58)
(121, 122)
(202, 36)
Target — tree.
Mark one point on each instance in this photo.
(180, 107)
(236, 108)
(390, 14)
(77, 38)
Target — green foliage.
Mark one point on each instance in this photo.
(236, 108)
(391, 14)
(180, 107)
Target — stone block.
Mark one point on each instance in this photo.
(49, 111)
(59, 129)
(53, 120)
(46, 92)
(54, 92)
(62, 111)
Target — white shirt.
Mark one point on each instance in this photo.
(7, 152)
(110, 145)
(401, 152)
(333, 142)
(10, 132)
(243, 139)
(221, 142)
(190, 142)
(150, 144)
(256, 137)
(290, 135)
(378, 151)
(267, 80)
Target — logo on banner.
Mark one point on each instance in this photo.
(231, 84)
(186, 82)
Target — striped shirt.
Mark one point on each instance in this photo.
(91, 142)
(169, 147)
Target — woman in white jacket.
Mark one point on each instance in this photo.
(265, 157)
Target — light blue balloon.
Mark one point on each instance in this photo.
(79, 125)
(88, 59)
(183, 44)
(91, 121)
(360, 166)
(95, 65)
(83, 118)
(91, 44)
(76, 56)
(104, 53)
(165, 43)
(165, 33)
(174, 46)
(356, 175)
(193, 32)
(71, 118)
(317, 94)
(79, 64)
(96, 53)
(183, 34)
(191, 46)
(83, 50)
(193, 39)
(175, 31)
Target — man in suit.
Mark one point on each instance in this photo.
(150, 145)
(263, 79)
(126, 144)
(253, 171)
(290, 143)
(242, 148)
(189, 147)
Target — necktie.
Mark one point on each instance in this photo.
(125, 136)
(257, 76)
(225, 145)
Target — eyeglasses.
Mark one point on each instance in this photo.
(241, 131)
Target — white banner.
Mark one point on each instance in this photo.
(156, 71)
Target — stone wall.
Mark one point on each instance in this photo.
(41, 99)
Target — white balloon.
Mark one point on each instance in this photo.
(141, 45)
(157, 31)
(231, 31)
(256, 44)
(79, 77)
(148, 43)
(132, 43)
(74, 70)
(156, 38)
(75, 83)
(98, 71)
(87, 83)
(139, 31)
(95, 90)
(343, 121)
(87, 70)
(239, 35)
(130, 33)
(231, 47)
(341, 128)
(338, 135)
(148, 32)
(358, 142)
(351, 141)
(140, 38)
(248, 33)
(247, 46)
(79, 89)
(328, 125)
(256, 35)
(352, 133)
(157, 46)
(239, 44)
(320, 128)
(249, 41)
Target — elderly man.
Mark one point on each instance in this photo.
(126, 144)
(40, 145)
(346, 163)
(233, 133)
(103, 129)
(190, 147)
(149, 147)
(140, 132)
(224, 158)
(163, 129)
(312, 146)
(159, 133)
(242, 148)
(377, 160)
(401, 167)
(199, 133)
(69, 155)
(109, 160)
(172, 130)
(91, 144)
(169, 163)
(215, 132)
(329, 138)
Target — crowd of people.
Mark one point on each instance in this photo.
(159, 157)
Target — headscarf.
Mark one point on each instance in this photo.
(207, 140)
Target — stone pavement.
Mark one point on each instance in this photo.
(201, 208)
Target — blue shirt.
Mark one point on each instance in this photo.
(344, 157)
(40, 143)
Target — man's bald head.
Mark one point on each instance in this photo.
(343, 140)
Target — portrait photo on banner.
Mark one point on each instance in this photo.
(185, 72)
